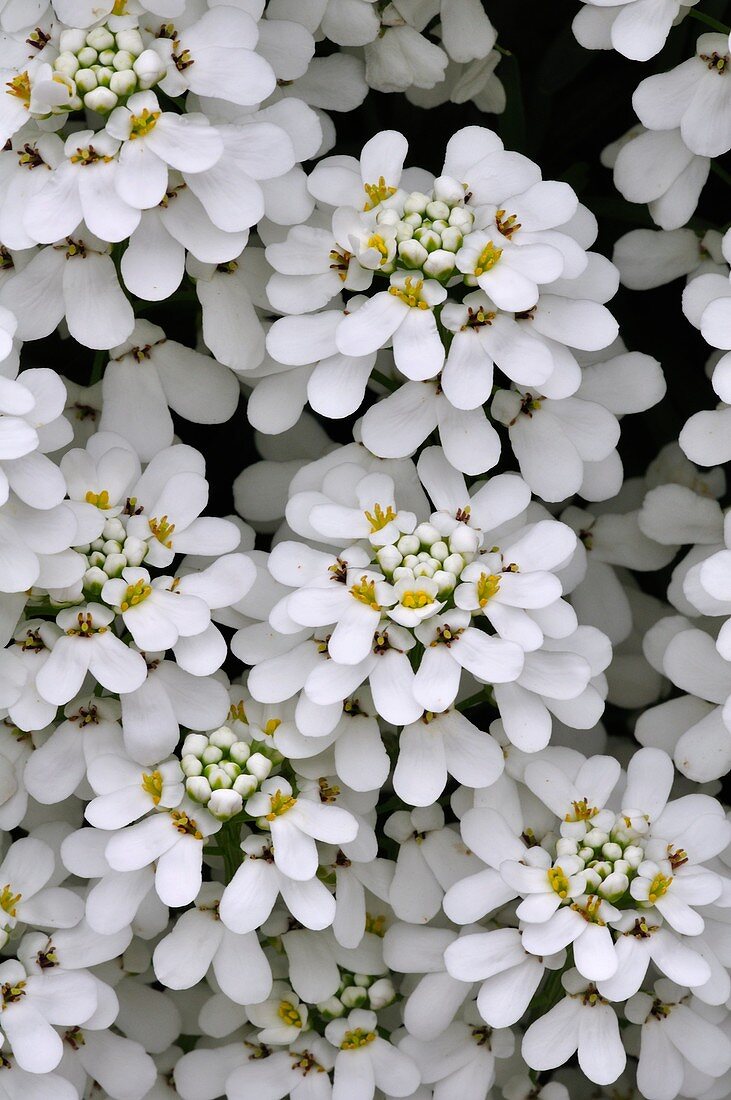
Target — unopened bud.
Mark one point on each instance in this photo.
(464, 540)
(217, 777)
(150, 68)
(381, 994)
(114, 564)
(198, 788)
(440, 264)
(94, 580)
(331, 1009)
(135, 550)
(195, 744)
(445, 581)
(123, 60)
(416, 203)
(71, 41)
(86, 80)
(409, 544)
(634, 856)
(452, 238)
(211, 755)
(612, 851)
(258, 765)
(437, 209)
(453, 564)
(101, 100)
(245, 785)
(66, 63)
(596, 838)
(412, 253)
(104, 76)
(614, 886)
(239, 752)
(123, 83)
(87, 56)
(388, 558)
(354, 996)
(565, 846)
(222, 738)
(225, 804)
(191, 766)
(100, 38)
(130, 40)
(428, 238)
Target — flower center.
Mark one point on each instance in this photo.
(378, 518)
(19, 87)
(86, 628)
(659, 887)
(185, 825)
(289, 1014)
(143, 123)
(152, 785)
(488, 258)
(357, 1038)
(100, 500)
(365, 592)
(410, 293)
(9, 900)
(280, 804)
(582, 811)
(487, 586)
(507, 223)
(88, 155)
(559, 882)
(162, 530)
(377, 193)
(136, 593)
(416, 599)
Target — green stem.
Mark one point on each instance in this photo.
(101, 358)
(389, 383)
(472, 701)
(721, 172)
(708, 20)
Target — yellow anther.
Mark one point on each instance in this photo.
(377, 193)
(378, 518)
(558, 881)
(376, 241)
(136, 593)
(85, 627)
(488, 585)
(19, 87)
(100, 500)
(280, 804)
(289, 1014)
(488, 258)
(365, 592)
(152, 785)
(376, 925)
(416, 599)
(582, 811)
(272, 725)
(507, 225)
(410, 293)
(162, 530)
(9, 900)
(658, 887)
(88, 155)
(357, 1038)
(236, 713)
(143, 123)
(185, 825)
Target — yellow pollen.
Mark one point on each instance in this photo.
(120, 7)
(590, 912)
(271, 727)
(416, 599)
(141, 124)
(378, 519)
(559, 882)
(88, 155)
(136, 593)
(376, 925)
(85, 628)
(488, 585)
(101, 500)
(410, 293)
(152, 785)
(289, 1014)
(658, 887)
(19, 87)
(9, 900)
(236, 712)
(185, 825)
(357, 1038)
(582, 811)
(507, 225)
(376, 241)
(162, 530)
(280, 804)
(12, 993)
(365, 592)
(488, 258)
(377, 192)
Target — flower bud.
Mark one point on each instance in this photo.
(233, 771)
(106, 57)
(122, 84)
(404, 231)
(259, 766)
(389, 558)
(381, 994)
(225, 804)
(566, 846)
(66, 63)
(426, 533)
(461, 218)
(113, 529)
(634, 856)
(354, 996)
(100, 38)
(101, 100)
(439, 550)
(114, 564)
(222, 738)
(614, 886)
(198, 788)
(414, 220)
(86, 80)
(135, 550)
(239, 752)
(409, 544)
(71, 41)
(412, 253)
(612, 851)
(211, 755)
(123, 60)
(440, 264)
(217, 777)
(428, 238)
(150, 68)
(416, 203)
(436, 210)
(448, 191)
(453, 564)
(452, 238)
(195, 744)
(445, 581)
(130, 40)
(592, 879)
(464, 540)
(97, 559)
(331, 1009)
(104, 76)
(245, 785)
(87, 56)
(425, 569)
(94, 580)
(191, 766)
(585, 854)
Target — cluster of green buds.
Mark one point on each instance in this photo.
(357, 991)
(610, 860)
(222, 771)
(102, 69)
(425, 232)
(440, 555)
(108, 555)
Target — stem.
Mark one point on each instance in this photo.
(384, 380)
(708, 20)
(101, 359)
(721, 172)
(472, 701)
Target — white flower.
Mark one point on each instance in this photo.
(367, 1059)
(26, 896)
(636, 28)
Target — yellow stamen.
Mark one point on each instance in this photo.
(185, 825)
(488, 585)
(152, 785)
(143, 123)
(289, 1014)
(365, 592)
(488, 258)
(658, 887)
(357, 1038)
(19, 87)
(136, 593)
(377, 193)
(9, 900)
(378, 519)
(410, 293)
(416, 599)
(280, 804)
(100, 500)
(162, 530)
(559, 882)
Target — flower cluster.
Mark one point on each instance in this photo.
(316, 799)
